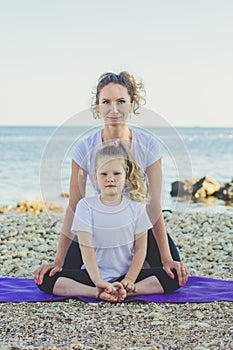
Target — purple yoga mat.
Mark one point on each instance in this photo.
(197, 290)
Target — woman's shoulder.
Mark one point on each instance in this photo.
(146, 142)
(144, 136)
(92, 139)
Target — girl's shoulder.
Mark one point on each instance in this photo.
(136, 205)
(89, 201)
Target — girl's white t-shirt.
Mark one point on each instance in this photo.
(113, 230)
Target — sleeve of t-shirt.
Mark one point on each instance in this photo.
(80, 154)
(154, 151)
(82, 218)
(143, 222)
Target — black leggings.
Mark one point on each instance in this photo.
(73, 262)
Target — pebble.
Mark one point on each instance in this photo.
(205, 244)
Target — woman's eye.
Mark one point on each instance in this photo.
(121, 101)
(105, 102)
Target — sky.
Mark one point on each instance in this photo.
(53, 51)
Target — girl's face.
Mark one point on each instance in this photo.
(114, 104)
(110, 177)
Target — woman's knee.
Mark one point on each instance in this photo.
(48, 283)
(168, 284)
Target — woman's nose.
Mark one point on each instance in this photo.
(114, 107)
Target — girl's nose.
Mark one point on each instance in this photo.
(110, 177)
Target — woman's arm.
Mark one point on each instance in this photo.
(77, 191)
(154, 174)
(140, 247)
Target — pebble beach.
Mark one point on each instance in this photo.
(204, 239)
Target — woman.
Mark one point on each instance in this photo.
(117, 96)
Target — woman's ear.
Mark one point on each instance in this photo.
(97, 108)
(132, 104)
(95, 178)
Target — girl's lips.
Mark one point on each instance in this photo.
(110, 186)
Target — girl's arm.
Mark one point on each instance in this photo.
(154, 174)
(77, 191)
(89, 260)
(140, 247)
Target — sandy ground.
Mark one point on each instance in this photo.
(205, 244)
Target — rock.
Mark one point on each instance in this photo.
(225, 192)
(205, 187)
(196, 188)
(182, 188)
(64, 195)
(33, 207)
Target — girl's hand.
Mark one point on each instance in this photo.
(128, 285)
(180, 268)
(103, 286)
(43, 269)
(113, 292)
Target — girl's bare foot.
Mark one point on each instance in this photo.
(120, 291)
(117, 296)
(108, 296)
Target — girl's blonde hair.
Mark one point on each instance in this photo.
(135, 90)
(136, 186)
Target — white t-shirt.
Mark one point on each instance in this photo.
(145, 149)
(113, 230)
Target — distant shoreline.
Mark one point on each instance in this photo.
(84, 126)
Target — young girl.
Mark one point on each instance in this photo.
(112, 234)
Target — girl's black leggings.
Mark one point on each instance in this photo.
(73, 262)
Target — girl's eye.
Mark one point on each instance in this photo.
(103, 174)
(117, 173)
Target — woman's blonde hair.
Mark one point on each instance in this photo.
(136, 186)
(135, 90)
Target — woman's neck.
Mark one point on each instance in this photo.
(122, 132)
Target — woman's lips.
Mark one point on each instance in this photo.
(114, 119)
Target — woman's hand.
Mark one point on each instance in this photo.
(43, 269)
(180, 268)
(128, 285)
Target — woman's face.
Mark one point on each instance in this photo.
(114, 104)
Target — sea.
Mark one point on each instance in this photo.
(35, 162)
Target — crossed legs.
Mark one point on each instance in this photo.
(67, 287)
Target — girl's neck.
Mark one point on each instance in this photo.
(111, 201)
(110, 133)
